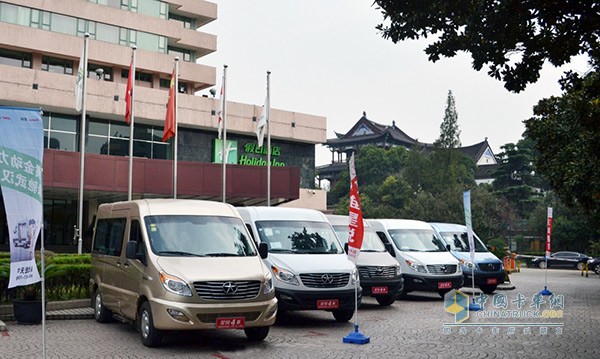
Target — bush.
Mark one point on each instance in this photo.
(67, 277)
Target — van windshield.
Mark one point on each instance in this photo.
(298, 237)
(371, 242)
(201, 236)
(459, 242)
(417, 240)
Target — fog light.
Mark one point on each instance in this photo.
(271, 312)
(286, 297)
(178, 315)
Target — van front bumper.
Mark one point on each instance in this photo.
(204, 316)
(431, 283)
(393, 285)
(484, 278)
(307, 300)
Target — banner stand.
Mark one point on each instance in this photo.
(356, 337)
(467, 207)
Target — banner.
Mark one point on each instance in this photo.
(21, 153)
(549, 232)
(467, 205)
(356, 225)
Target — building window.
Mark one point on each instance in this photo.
(184, 54)
(15, 58)
(63, 24)
(100, 72)
(59, 66)
(187, 23)
(14, 14)
(60, 132)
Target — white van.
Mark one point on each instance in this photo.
(488, 269)
(308, 262)
(379, 273)
(426, 263)
(171, 264)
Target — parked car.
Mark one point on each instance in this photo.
(562, 260)
(380, 274)
(487, 269)
(594, 265)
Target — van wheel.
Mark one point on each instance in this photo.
(542, 264)
(343, 315)
(488, 289)
(151, 337)
(385, 300)
(256, 334)
(101, 313)
(442, 293)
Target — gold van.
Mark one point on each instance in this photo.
(170, 264)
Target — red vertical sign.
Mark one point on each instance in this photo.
(549, 232)
(356, 225)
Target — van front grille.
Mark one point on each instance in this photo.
(227, 290)
(212, 317)
(442, 268)
(325, 280)
(376, 272)
(489, 267)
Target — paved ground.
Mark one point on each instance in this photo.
(411, 328)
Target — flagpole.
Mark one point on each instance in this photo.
(268, 109)
(176, 137)
(132, 121)
(82, 144)
(224, 153)
(43, 268)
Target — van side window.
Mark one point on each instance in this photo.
(382, 237)
(109, 234)
(135, 235)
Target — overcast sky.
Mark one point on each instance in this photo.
(326, 58)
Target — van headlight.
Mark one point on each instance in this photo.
(417, 267)
(285, 275)
(354, 277)
(467, 264)
(175, 285)
(398, 271)
(268, 284)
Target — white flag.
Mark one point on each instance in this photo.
(79, 83)
(220, 113)
(261, 125)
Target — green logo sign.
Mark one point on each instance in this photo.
(230, 149)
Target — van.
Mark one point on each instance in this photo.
(168, 264)
(425, 261)
(488, 269)
(310, 268)
(379, 273)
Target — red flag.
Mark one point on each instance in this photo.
(128, 94)
(356, 225)
(220, 114)
(170, 118)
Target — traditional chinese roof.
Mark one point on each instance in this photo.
(477, 150)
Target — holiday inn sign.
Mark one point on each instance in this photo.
(252, 154)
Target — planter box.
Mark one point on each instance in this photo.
(27, 311)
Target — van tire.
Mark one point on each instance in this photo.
(343, 315)
(256, 334)
(443, 292)
(101, 313)
(151, 337)
(385, 300)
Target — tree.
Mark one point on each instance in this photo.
(449, 132)
(513, 38)
(566, 132)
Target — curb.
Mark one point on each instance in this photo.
(61, 310)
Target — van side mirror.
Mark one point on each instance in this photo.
(131, 252)
(346, 248)
(390, 249)
(263, 250)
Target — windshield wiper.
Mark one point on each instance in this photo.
(179, 253)
(222, 255)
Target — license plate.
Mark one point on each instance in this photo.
(230, 323)
(379, 290)
(444, 285)
(492, 281)
(328, 304)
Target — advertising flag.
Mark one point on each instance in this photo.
(356, 225)
(21, 153)
(261, 125)
(129, 92)
(467, 205)
(549, 233)
(220, 112)
(170, 117)
(79, 82)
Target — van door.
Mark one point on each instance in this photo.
(132, 272)
(108, 244)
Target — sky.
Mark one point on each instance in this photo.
(326, 58)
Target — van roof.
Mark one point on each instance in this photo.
(164, 206)
(260, 213)
(447, 227)
(399, 223)
(340, 219)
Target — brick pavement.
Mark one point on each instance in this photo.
(411, 328)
